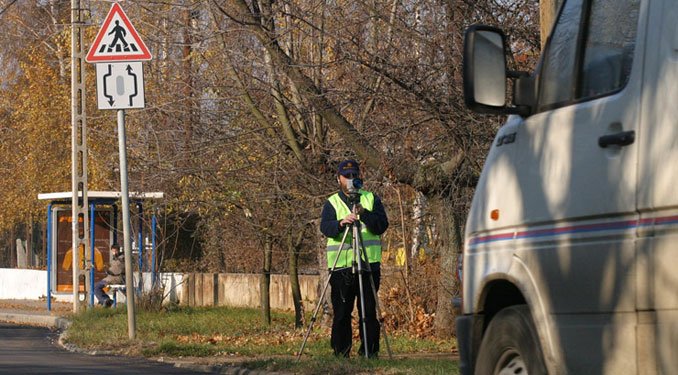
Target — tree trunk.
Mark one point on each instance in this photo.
(281, 110)
(188, 81)
(406, 274)
(325, 311)
(418, 228)
(449, 225)
(293, 248)
(265, 280)
(12, 248)
(29, 242)
(319, 130)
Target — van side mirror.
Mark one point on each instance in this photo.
(485, 74)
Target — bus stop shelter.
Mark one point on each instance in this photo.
(103, 232)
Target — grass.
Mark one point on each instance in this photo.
(328, 364)
(230, 335)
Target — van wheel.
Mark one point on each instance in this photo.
(511, 345)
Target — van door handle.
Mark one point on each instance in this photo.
(619, 139)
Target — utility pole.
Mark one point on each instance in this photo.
(78, 154)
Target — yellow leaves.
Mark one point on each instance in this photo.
(37, 104)
(399, 312)
(423, 323)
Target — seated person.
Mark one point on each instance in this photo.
(116, 275)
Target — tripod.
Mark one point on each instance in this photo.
(359, 257)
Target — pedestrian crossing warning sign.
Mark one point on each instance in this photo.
(117, 40)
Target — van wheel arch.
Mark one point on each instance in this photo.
(498, 295)
(511, 344)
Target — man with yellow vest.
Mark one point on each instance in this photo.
(338, 215)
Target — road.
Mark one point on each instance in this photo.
(33, 350)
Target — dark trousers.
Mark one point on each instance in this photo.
(345, 293)
(99, 292)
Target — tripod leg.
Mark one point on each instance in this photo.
(357, 260)
(376, 297)
(322, 294)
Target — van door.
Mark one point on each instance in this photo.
(576, 163)
(657, 193)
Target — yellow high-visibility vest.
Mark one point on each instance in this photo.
(371, 241)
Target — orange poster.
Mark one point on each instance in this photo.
(64, 255)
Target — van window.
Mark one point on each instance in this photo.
(557, 78)
(609, 46)
(590, 52)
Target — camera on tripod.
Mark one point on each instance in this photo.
(353, 186)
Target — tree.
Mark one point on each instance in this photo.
(444, 173)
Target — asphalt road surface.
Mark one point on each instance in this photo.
(33, 350)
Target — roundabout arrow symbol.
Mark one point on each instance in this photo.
(136, 92)
(110, 97)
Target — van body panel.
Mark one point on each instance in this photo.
(598, 343)
(657, 282)
(588, 233)
(658, 168)
(585, 271)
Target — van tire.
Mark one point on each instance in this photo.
(510, 345)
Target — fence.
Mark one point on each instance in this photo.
(243, 290)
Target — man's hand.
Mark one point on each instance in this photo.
(349, 219)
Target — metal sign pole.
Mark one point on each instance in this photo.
(126, 230)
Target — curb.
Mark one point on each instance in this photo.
(38, 320)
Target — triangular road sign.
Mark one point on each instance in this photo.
(117, 40)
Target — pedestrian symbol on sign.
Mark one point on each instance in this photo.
(120, 34)
(117, 40)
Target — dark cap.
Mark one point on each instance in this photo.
(348, 167)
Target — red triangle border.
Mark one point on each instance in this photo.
(145, 53)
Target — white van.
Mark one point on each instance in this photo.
(570, 261)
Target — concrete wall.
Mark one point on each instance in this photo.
(32, 284)
(242, 290)
(172, 283)
(22, 284)
(194, 289)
